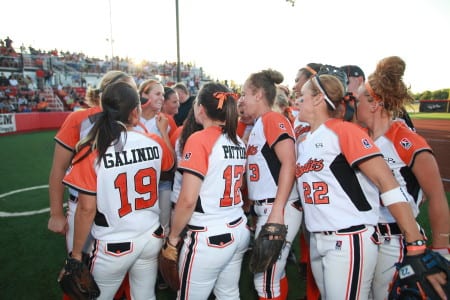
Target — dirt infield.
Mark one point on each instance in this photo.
(437, 134)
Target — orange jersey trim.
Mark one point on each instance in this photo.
(69, 133)
(197, 150)
(276, 125)
(355, 144)
(407, 143)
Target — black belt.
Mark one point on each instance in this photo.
(298, 205)
(73, 198)
(346, 230)
(202, 228)
(388, 228)
(265, 201)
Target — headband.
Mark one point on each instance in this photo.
(322, 90)
(372, 93)
(311, 70)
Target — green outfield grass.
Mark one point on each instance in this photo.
(432, 116)
(31, 256)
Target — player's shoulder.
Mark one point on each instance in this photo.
(273, 116)
(340, 126)
(150, 136)
(276, 122)
(82, 114)
(399, 129)
(400, 134)
(204, 138)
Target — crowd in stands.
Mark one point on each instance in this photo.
(22, 93)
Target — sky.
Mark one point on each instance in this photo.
(230, 39)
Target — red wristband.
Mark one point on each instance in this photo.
(416, 248)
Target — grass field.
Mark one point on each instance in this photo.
(434, 116)
(31, 256)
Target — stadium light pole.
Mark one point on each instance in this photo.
(111, 36)
(178, 42)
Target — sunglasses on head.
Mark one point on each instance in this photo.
(336, 72)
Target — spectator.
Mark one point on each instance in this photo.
(13, 80)
(40, 74)
(3, 80)
(42, 105)
(8, 42)
(185, 102)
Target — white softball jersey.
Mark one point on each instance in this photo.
(263, 166)
(334, 193)
(213, 157)
(125, 183)
(400, 145)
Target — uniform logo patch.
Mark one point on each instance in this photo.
(187, 156)
(252, 150)
(405, 143)
(338, 245)
(319, 145)
(300, 129)
(312, 165)
(366, 143)
(281, 125)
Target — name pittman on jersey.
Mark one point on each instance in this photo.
(117, 159)
(233, 152)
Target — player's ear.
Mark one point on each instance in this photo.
(318, 99)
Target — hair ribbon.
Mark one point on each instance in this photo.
(222, 96)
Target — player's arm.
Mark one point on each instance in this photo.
(61, 161)
(190, 189)
(285, 152)
(162, 123)
(84, 218)
(426, 171)
(379, 173)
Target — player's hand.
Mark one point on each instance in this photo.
(58, 224)
(162, 123)
(437, 281)
(277, 218)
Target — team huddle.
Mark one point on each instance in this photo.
(342, 167)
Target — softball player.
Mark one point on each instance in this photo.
(178, 140)
(116, 172)
(151, 94)
(74, 128)
(210, 203)
(300, 129)
(411, 160)
(270, 174)
(339, 173)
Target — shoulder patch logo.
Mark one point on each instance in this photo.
(405, 143)
(187, 156)
(281, 125)
(366, 143)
